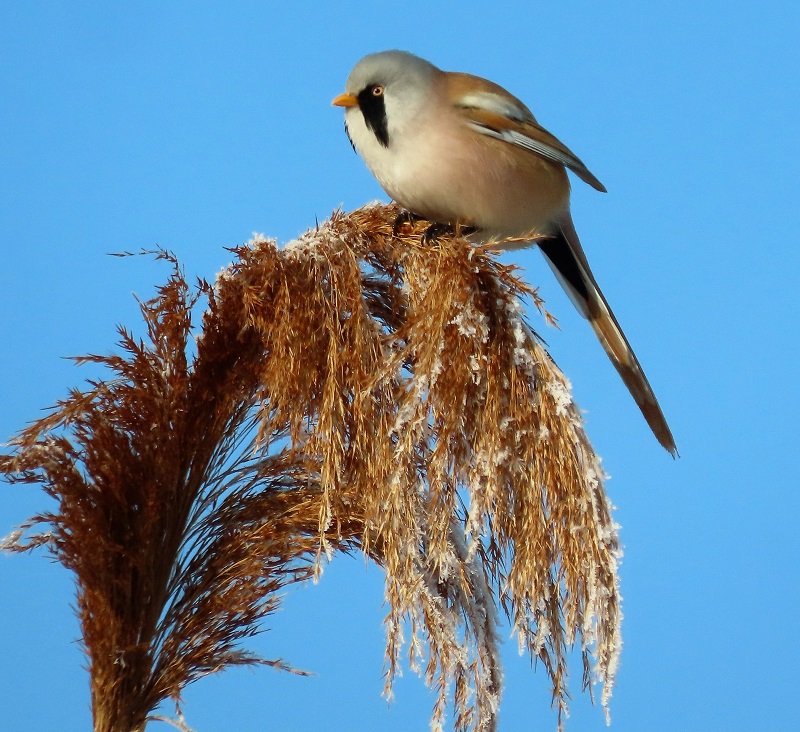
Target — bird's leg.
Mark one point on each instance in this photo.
(403, 218)
(434, 231)
(465, 230)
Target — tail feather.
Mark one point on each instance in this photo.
(568, 260)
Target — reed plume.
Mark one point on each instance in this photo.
(355, 390)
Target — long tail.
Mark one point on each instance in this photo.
(565, 256)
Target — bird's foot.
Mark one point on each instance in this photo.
(434, 231)
(403, 218)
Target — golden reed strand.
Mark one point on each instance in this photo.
(353, 389)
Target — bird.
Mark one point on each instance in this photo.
(463, 153)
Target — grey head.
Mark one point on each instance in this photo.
(391, 88)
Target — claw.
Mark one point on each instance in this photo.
(434, 231)
(403, 218)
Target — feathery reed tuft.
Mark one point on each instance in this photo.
(355, 389)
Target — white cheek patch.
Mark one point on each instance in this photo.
(361, 136)
(382, 161)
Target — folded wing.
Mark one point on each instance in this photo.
(505, 119)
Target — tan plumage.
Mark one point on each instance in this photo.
(460, 150)
(597, 311)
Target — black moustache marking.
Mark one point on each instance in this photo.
(374, 111)
(347, 132)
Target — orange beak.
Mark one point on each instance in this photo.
(345, 100)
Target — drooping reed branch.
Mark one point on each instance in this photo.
(355, 389)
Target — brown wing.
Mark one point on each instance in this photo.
(530, 136)
(491, 110)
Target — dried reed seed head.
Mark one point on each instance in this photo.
(354, 388)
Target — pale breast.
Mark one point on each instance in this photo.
(449, 173)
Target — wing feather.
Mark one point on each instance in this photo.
(497, 117)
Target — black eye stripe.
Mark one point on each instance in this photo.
(374, 110)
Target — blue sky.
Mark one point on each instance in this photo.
(191, 125)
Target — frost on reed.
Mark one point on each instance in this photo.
(353, 390)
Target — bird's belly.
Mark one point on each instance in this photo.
(501, 190)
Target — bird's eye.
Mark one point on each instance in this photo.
(377, 90)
